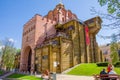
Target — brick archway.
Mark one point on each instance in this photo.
(29, 60)
(27, 55)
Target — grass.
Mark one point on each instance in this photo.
(23, 77)
(88, 69)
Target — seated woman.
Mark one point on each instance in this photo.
(112, 72)
(46, 75)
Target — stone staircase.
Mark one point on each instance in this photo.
(5, 75)
(64, 72)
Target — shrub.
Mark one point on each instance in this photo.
(117, 64)
(1, 72)
(102, 64)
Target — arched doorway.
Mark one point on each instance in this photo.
(29, 60)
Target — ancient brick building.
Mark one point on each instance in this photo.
(59, 41)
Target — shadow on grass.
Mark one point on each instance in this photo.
(23, 77)
(16, 75)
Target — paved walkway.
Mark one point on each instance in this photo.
(71, 77)
(61, 77)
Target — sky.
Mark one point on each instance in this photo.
(15, 13)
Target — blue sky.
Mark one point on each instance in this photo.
(15, 13)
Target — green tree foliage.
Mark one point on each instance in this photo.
(114, 53)
(113, 16)
(0, 49)
(18, 51)
(8, 54)
(111, 19)
(113, 6)
(114, 49)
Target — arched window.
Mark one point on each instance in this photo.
(63, 19)
(27, 39)
(55, 19)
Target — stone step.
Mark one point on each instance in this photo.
(6, 74)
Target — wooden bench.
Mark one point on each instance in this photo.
(107, 77)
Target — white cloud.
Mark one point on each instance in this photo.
(12, 40)
(1, 47)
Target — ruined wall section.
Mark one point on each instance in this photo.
(29, 33)
(76, 44)
(44, 28)
(66, 54)
(28, 42)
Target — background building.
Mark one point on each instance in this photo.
(106, 52)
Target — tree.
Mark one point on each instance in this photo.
(8, 54)
(0, 52)
(113, 6)
(17, 59)
(18, 51)
(114, 50)
(112, 17)
(0, 49)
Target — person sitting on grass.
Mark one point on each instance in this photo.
(45, 75)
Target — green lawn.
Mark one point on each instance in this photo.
(23, 77)
(88, 70)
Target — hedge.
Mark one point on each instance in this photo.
(117, 64)
(102, 64)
